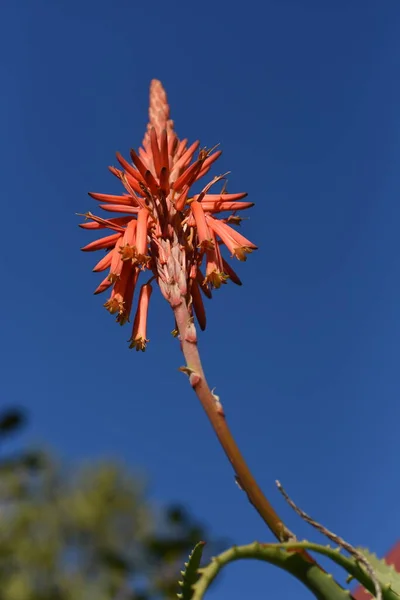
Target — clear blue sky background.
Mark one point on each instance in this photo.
(304, 97)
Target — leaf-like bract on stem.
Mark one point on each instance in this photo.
(190, 574)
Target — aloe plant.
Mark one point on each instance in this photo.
(172, 238)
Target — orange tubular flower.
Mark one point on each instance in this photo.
(215, 275)
(163, 227)
(138, 338)
(238, 245)
(203, 232)
(120, 293)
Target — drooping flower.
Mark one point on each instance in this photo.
(138, 338)
(164, 227)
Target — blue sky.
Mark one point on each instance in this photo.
(304, 97)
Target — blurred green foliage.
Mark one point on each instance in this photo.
(85, 534)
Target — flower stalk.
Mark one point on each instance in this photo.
(215, 413)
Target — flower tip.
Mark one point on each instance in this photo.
(122, 318)
(104, 285)
(202, 326)
(138, 343)
(86, 216)
(115, 171)
(206, 244)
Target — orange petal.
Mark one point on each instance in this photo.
(115, 304)
(145, 158)
(224, 197)
(186, 157)
(138, 338)
(120, 208)
(142, 198)
(118, 221)
(210, 160)
(164, 150)
(141, 168)
(182, 199)
(236, 243)
(104, 285)
(141, 232)
(106, 242)
(208, 163)
(128, 247)
(138, 175)
(134, 186)
(239, 238)
(115, 172)
(130, 231)
(124, 315)
(172, 143)
(148, 178)
(151, 182)
(203, 232)
(111, 199)
(164, 180)
(181, 148)
(155, 151)
(104, 263)
(116, 261)
(188, 176)
(217, 206)
(214, 269)
(101, 223)
(202, 173)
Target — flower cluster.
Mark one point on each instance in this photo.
(163, 228)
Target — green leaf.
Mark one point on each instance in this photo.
(386, 574)
(190, 574)
(355, 568)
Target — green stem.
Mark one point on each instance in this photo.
(321, 584)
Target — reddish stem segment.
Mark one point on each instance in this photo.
(217, 419)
